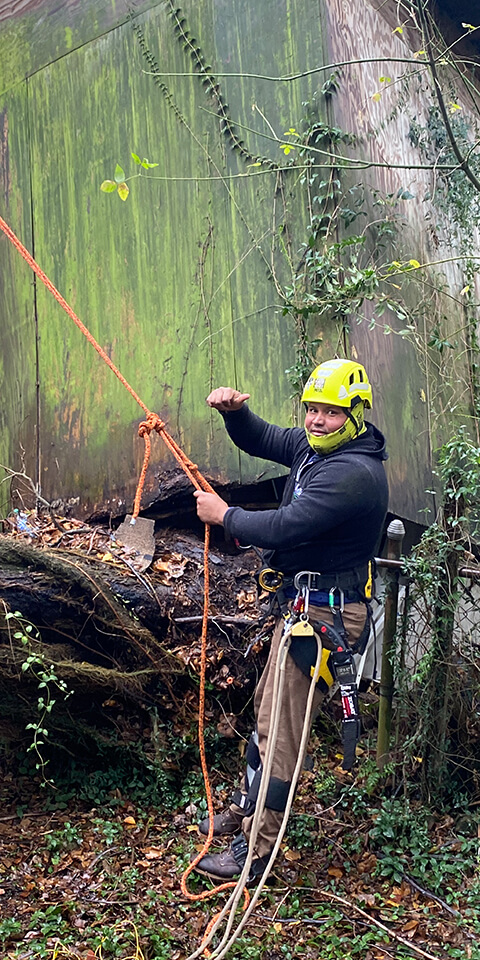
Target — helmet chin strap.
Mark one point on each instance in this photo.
(355, 422)
(356, 404)
(350, 430)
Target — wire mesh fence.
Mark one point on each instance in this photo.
(435, 658)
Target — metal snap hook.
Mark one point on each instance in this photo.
(331, 598)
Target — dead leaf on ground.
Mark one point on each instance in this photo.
(172, 566)
(367, 864)
(293, 855)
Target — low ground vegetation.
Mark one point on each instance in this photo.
(91, 868)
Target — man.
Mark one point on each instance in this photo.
(329, 522)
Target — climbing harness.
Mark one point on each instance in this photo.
(343, 669)
(343, 666)
(337, 662)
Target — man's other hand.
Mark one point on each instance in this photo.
(226, 399)
(210, 507)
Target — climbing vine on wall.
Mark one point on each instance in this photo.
(331, 275)
(356, 262)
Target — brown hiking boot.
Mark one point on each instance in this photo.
(223, 823)
(220, 866)
(229, 864)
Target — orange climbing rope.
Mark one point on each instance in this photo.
(153, 422)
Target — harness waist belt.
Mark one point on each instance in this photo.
(347, 580)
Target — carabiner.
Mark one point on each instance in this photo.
(306, 598)
(270, 580)
(331, 598)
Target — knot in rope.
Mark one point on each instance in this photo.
(153, 422)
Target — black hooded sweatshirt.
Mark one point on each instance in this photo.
(333, 507)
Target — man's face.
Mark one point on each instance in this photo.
(323, 418)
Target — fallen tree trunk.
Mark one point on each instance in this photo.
(125, 643)
(70, 598)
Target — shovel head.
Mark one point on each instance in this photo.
(139, 538)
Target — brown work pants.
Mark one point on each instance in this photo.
(292, 716)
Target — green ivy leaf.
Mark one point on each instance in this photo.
(108, 186)
(123, 191)
(119, 174)
(136, 158)
(147, 165)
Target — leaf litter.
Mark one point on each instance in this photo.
(98, 883)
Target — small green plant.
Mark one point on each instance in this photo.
(401, 836)
(119, 183)
(61, 840)
(48, 682)
(109, 830)
(161, 941)
(373, 779)
(9, 928)
(288, 147)
(302, 832)
(325, 786)
(49, 925)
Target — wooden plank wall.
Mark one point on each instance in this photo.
(180, 283)
(176, 283)
(18, 376)
(404, 386)
(35, 33)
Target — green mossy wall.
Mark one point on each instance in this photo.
(18, 419)
(175, 283)
(180, 283)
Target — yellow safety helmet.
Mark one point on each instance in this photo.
(338, 382)
(343, 383)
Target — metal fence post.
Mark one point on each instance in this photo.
(395, 535)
